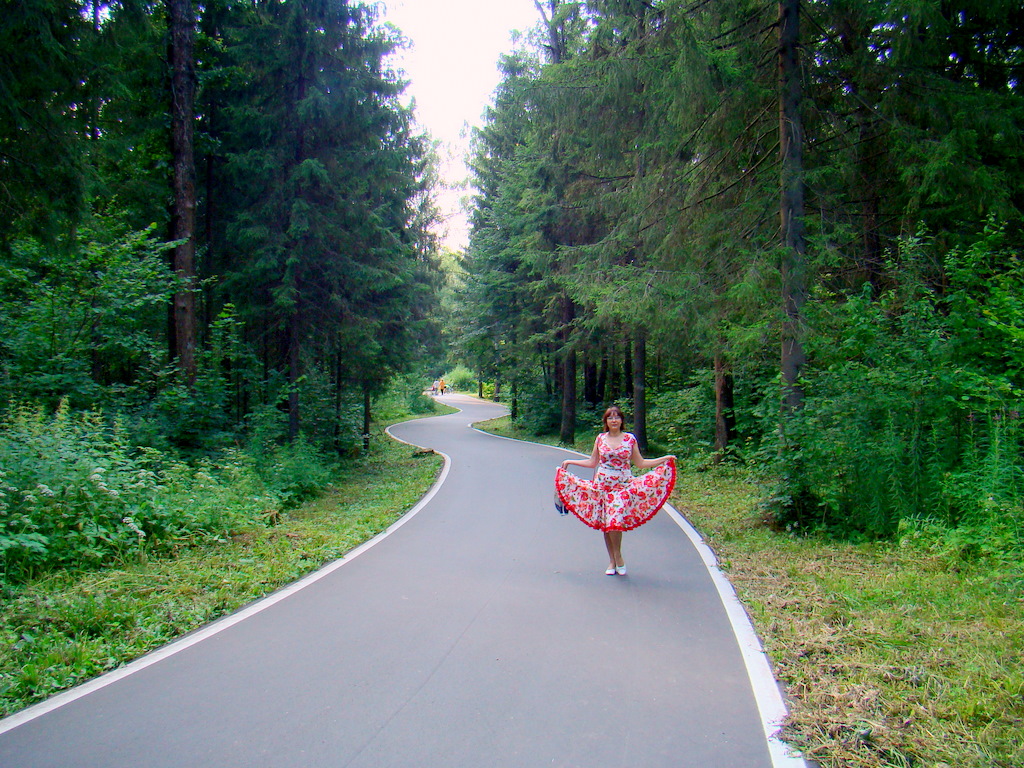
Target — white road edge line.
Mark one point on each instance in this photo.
(766, 691)
(177, 646)
(767, 695)
(769, 699)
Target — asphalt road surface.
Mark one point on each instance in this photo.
(478, 632)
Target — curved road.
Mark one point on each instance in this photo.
(479, 632)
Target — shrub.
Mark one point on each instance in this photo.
(538, 413)
(404, 395)
(913, 412)
(461, 379)
(683, 421)
(74, 494)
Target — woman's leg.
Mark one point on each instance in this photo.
(613, 541)
(610, 547)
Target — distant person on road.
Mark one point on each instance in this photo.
(444, 387)
(616, 501)
(434, 387)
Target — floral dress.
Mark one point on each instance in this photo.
(616, 500)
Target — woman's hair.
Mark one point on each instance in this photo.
(608, 412)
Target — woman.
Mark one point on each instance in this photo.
(616, 501)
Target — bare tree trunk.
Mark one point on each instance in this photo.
(294, 375)
(339, 392)
(567, 430)
(794, 259)
(590, 379)
(367, 415)
(556, 45)
(183, 207)
(640, 390)
(627, 370)
(725, 420)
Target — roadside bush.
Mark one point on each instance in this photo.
(404, 395)
(913, 410)
(75, 494)
(295, 472)
(461, 379)
(683, 421)
(538, 413)
(77, 317)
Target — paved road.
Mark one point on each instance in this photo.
(481, 632)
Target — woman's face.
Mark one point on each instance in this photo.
(613, 421)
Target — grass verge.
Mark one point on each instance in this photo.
(63, 629)
(892, 655)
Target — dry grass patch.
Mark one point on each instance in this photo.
(891, 655)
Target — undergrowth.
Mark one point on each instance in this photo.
(896, 654)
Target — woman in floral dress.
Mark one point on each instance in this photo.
(616, 501)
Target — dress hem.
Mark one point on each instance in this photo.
(661, 500)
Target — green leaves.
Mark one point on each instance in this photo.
(78, 307)
(913, 408)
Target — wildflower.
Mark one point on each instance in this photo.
(132, 524)
(45, 490)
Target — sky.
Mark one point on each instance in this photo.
(453, 70)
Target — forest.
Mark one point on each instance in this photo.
(216, 250)
(785, 236)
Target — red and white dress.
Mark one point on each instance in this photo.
(616, 500)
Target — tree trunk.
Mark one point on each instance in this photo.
(590, 380)
(627, 370)
(725, 419)
(548, 371)
(870, 207)
(294, 375)
(567, 430)
(366, 415)
(556, 46)
(640, 390)
(794, 261)
(183, 205)
(339, 392)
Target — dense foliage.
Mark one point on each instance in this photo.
(314, 269)
(215, 251)
(626, 246)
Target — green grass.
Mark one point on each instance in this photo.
(893, 654)
(63, 629)
(504, 426)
